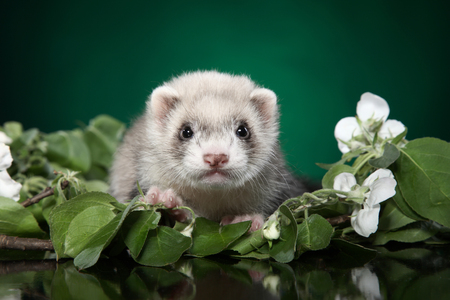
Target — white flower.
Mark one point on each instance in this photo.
(5, 157)
(378, 187)
(390, 129)
(372, 111)
(271, 229)
(372, 108)
(345, 132)
(344, 182)
(4, 138)
(8, 187)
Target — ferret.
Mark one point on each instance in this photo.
(209, 141)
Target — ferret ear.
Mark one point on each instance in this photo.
(162, 101)
(266, 102)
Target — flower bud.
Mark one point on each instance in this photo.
(271, 229)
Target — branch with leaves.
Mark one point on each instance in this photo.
(384, 188)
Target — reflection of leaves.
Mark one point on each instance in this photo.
(350, 255)
(68, 283)
(434, 286)
(414, 273)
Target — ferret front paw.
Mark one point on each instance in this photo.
(168, 197)
(257, 220)
(170, 200)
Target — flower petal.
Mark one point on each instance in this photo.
(4, 138)
(345, 130)
(372, 107)
(381, 190)
(366, 221)
(5, 157)
(390, 129)
(380, 173)
(344, 182)
(8, 187)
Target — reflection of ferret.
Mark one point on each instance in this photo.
(209, 141)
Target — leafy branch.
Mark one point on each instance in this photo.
(49, 191)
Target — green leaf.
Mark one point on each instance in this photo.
(96, 186)
(423, 177)
(283, 249)
(164, 245)
(13, 129)
(210, 238)
(16, 220)
(404, 206)
(28, 136)
(136, 227)
(69, 150)
(328, 179)
(412, 233)
(392, 217)
(249, 242)
(62, 215)
(84, 225)
(101, 239)
(313, 234)
(102, 137)
(390, 155)
(399, 137)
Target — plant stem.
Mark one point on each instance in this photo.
(45, 193)
(17, 243)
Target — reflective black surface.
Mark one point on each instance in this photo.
(416, 272)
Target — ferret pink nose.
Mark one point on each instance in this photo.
(216, 160)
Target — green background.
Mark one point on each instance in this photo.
(64, 63)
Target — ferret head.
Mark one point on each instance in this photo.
(212, 131)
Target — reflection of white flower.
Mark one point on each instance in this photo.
(372, 111)
(378, 187)
(367, 282)
(4, 138)
(272, 283)
(8, 187)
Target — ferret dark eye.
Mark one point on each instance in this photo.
(242, 132)
(186, 132)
